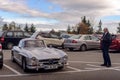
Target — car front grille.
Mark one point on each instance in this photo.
(49, 61)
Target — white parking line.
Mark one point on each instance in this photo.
(88, 62)
(93, 65)
(10, 68)
(13, 75)
(76, 69)
(90, 70)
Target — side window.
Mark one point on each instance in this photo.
(18, 34)
(26, 34)
(9, 34)
(46, 35)
(54, 36)
(87, 38)
(94, 38)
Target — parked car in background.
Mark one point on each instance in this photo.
(34, 54)
(10, 38)
(66, 36)
(50, 39)
(115, 45)
(82, 42)
(1, 57)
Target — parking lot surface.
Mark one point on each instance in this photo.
(82, 66)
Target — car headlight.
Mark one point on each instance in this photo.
(33, 61)
(64, 59)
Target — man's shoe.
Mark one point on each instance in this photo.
(108, 65)
(103, 65)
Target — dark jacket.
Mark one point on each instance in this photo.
(106, 39)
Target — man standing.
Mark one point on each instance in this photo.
(105, 43)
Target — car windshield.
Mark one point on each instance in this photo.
(75, 37)
(34, 43)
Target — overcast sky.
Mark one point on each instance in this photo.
(61, 13)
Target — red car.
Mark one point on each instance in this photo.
(1, 57)
(115, 45)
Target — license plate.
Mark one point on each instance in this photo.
(51, 67)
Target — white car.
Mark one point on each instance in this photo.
(34, 54)
(50, 39)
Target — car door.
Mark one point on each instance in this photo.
(55, 40)
(18, 35)
(8, 39)
(88, 41)
(95, 42)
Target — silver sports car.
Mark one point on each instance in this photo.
(34, 54)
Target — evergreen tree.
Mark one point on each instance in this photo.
(84, 19)
(88, 23)
(32, 28)
(26, 28)
(99, 28)
(68, 29)
(118, 28)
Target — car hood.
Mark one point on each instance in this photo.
(45, 53)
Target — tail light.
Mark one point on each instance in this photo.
(2, 39)
(74, 41)
(0, 47)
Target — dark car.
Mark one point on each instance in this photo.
(9, 39)
(1, 57)
(115, 45)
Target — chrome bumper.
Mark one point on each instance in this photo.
(46, 67)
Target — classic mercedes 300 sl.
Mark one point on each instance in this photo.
(33, 54)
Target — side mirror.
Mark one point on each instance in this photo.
(19, 47)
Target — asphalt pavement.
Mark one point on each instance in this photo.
(82, 66)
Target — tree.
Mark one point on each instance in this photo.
(32, 28)
(18, 28)
(84, 19)
(99, 31)
(5, 27)
(118, 28)
(90, 31)
(26, 28)
(68, 29)
(12, 26)
(87, 25)
(83, 28)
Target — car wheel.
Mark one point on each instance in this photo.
(62, 46)
(83, 48)
(60, 68)
(12, 57)
(71, 49)
(9, 45)
(1, 66)
(24, 65)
